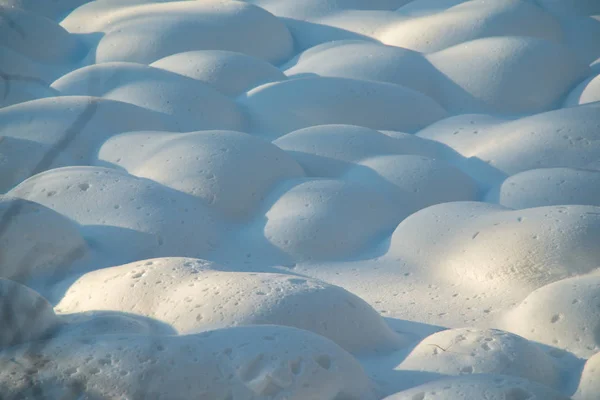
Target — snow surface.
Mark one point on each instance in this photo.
(311, 200)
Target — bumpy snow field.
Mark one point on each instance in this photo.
(300, 199)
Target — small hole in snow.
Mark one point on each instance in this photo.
(296, 366)
(324, 361)
(517, 394)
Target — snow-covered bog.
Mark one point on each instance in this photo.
(312, 200)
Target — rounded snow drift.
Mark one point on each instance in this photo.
(564, 314)
(475, 351)
(260, 362)
(36, 240)
(195, 296)
(25, 315)
(489, 387)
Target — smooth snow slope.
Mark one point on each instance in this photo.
(311, 200)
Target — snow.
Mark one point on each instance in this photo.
(312, 200)
(219, 299)
(221, 364)
(492, 387)
(27, 316)
(566, 137)
(190, 102)
(113, 207)
(38, 38)
(493, 249)
(466, 21)
(506, 75)
(589, 387)
(229, 72)
(278, 108)
(564, 312)
(587, 91)
(36, 239)
(548, 187)
(463, 351)
(231, 171)
(145, 31)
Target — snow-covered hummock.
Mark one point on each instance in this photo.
(278, 108)
(229, 72)
(190, 102)
(36, 240)
(587, 91)
(589, 386)
(57, 132)
(430, 29)
(312, 200)
(548, 187)
(489, 387)
(231, 171)
(491, 248)
(146, 31)
(564, 314)
(113, 208)
(460, 352)
(264, 362)
(217, 299)
(565, 137)
(26, 316)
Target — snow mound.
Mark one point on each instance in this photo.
(489, 387)
(281, 363)
(197, 296)
(114, 208)
(54, 10)
(144, 32)
(562, 138)
(475, 351)
(18, 66)
(38, 37)
(36, 240)
(414, 182)
(587, 91)
(470, 242)
(192, 103)
(327, 219)
(498, 75)
(63, 131)
(359, 59)
(278, 108)
(19, 89)
(313, 9)
(506, 75)
(230, 73)
(580, 33)
(548, 187)
(563, 314)
(349, 24)
(25, 315)
(589, 386)
(231, 171)
(575, 7)
(462, 21)
(331, 150)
